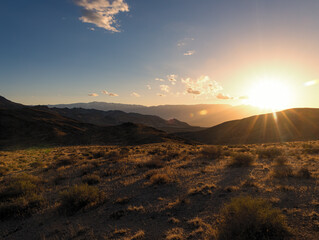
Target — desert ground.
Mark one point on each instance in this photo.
(160, 191)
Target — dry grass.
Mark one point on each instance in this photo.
(155, 191)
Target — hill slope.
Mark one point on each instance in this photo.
(288, 125)
(30, 126)
(115, 117)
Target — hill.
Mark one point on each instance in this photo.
(29, 126)
(204, 115)
(116, 117)
(289, 125)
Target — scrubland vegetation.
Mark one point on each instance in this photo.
(161, 191)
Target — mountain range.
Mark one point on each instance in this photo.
(24, 126)
(203, 115)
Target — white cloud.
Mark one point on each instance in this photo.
(93, 94)
(189, 53)
(134, 94)
(203, 86)
(102, 12)
(110, 94)
(243, 97)
(224, 96)
(92, 29)
(159, 79)
(164, 88)
(172, 78)
(148, 87)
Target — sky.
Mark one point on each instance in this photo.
(258, 52)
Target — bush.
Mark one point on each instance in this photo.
(270, 153)
(282, 172)
(310, 149)
(160, 178)
(79, 196)
(304, 173)
(242, 160)
(91, 179)
(251, 218)
(211, 152)
(281, 161)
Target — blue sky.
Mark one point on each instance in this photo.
(200, 51)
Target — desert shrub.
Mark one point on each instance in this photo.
(242, 160)
(304, 173)
(155, 162)
(270, 152)
(160, 178)
(20, 196)
(175, 234)
(211, 152)
(251, 218)
(3, 170)
(78, 197)
(91, 179)
(310, 148)
(281, 161)
(65, 162)
(284, 171)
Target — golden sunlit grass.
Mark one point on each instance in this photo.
(160, 191)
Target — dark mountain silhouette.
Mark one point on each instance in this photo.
(6, 104)
(289, 125)
(111, 118)
(30, 126)
(204, 115)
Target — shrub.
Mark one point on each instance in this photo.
(310, 149)
(160, 178)
(281, 161)
(155, 162)
(242, 160)
(270, 153)
(282, 172)
(91, 179)
(251, 218)
(304, 173)
(79, 196)
(211, 152)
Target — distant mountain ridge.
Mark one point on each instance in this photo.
(297, 124)
(203, 115)
(116, 117)
(23, 126)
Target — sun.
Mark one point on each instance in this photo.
(269, 93)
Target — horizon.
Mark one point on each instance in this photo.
(152, 53)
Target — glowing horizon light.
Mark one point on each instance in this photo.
(270, 94)
(311, 83)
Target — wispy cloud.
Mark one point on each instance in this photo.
(159, 79)
(164, 88)
(102, 12)
(224, 96)
(110, 94)
(202, 86)
(311, 83)
(189, 53)
(134, 94)
(172, 78)
(93, 94)
(184, 42)
(243, 97)
(148, 87)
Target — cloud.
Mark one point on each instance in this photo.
(93, 94)
(161, 95)
(134, 94)
(159, 79)
(148, 87)
(102, 12)
(172, 78)
(311, 83)
(92, 29)
(164, 88)
(184, 42)
(203, 86)
(110, 94)
(224, 96)
(189, 53)
(192, 91)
